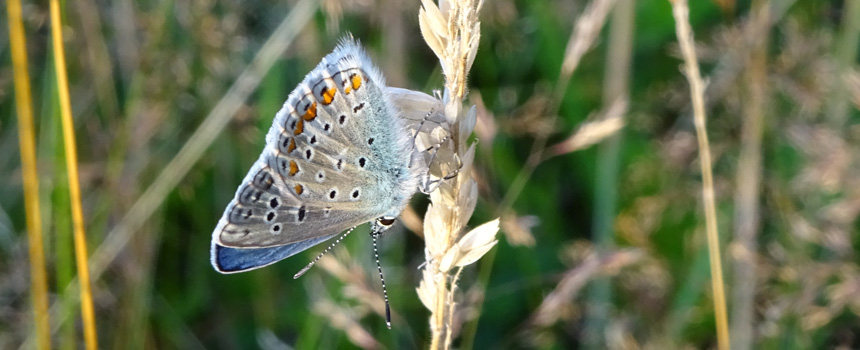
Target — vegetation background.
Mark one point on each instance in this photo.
(601, 248)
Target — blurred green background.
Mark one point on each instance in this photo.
(144, 75)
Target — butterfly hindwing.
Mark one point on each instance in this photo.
(233, 260)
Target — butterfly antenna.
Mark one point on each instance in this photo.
(384, 291)
(306, 268)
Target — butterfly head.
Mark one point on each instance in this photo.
(381, 224)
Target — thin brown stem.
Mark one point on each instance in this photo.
(697, 89)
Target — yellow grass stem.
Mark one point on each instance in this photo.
(23, 103)
(74, 187)
(697, 88)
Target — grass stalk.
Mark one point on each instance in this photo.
(55, 207)
(59, 211)
(452, 30)
(87, 311)
(616, 86)
(689, 292)
(64, 248)
(747, 207)
(697, 89)
(29, 173)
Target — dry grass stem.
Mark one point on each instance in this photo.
(606, 124)
(518, 229)
(554, 304)
(26, 138)
(452, 31)
(412, 221)
(80, 240)
(356, 284)
(341, 318)
(747, 206)
(357, 287)
(697, 89)
(587, 29)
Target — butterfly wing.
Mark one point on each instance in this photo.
(233, 260)
(336, 156)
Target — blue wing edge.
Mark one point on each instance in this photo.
(235, 260)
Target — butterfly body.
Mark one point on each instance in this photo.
(337, 156)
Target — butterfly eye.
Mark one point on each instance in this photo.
(385, 221)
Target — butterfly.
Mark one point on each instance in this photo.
(341, 152)
(337, 155)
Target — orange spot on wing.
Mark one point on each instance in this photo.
(356, 81)
(311, 112)
(294, 168)
(300, 126)
(299, 189)
(347, 90)
(292, 145)
(328, 95)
